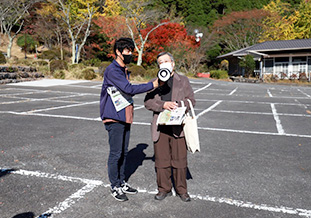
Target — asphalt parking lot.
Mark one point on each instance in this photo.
(255, 158)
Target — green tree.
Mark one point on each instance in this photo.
(195, 14)
(78, 15)
(303, 23)
(27, 42)
(248, 64)
(12, 17)
(280, 23)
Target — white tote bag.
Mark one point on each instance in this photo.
(191, 131)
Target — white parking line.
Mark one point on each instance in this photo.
(269, 93)
(98, 119)
(277, 120)
(304, 93)
(231, 93)
(198, 90)
(260, 113)
(92, 184)
(61, 107)
(139, 107)
(209, 109)
(254, 132)
(72, 199)
(251, 102)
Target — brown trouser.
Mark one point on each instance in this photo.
(171, 155)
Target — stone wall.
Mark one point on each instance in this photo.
(15, 74)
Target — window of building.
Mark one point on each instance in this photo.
(299, 65)
(268, 66)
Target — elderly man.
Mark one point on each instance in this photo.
(169, 141)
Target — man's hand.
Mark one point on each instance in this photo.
(170, 105)
(155, 83)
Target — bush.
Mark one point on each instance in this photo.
(152, 73)
(103, 67)
(219, 74)
(58, 65)
(2, 58)
(42, 63)
(59, 74)
(27, 42)
(75, 67)
(50, 55)
(88, 74)
(95, 62)
(137, 71)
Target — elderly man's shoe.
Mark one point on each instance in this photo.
(161, 195)
(185, 197)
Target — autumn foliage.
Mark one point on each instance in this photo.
(240, 29)
(172, 36)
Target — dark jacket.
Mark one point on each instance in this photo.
(181, 91)
(114, 75)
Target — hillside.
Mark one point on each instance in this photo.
(16, 50)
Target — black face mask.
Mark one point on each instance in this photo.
(127, 58)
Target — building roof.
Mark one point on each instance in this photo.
(272, 46)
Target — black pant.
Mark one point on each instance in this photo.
(119, 136)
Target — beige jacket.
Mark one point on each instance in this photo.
(181, 92)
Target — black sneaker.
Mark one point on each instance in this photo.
(117, 193)
(127, 189)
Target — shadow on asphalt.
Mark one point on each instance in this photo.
(4, 172)
(134, 159)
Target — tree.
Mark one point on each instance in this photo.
(280, 23)
(240, 29)
(203, 13)
(137, 16)
(14, 11)
(77, 15)
(50, 27)
(303, 23)
(173, 36)
(26, 42)
(248, 64)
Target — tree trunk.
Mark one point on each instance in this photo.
(9, 48)
(73, 52)
(140, 57)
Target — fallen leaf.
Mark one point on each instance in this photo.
(309, 112)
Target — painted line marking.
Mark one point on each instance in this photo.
(277, 120)
(52, 115)
(269, 93)
(254, 132)
(92, 184)
(231, 93)
(264, 207)
(195, 82)
(138, 107)
(98, 119)
(260, 113)
(61, 107)
(198, 90)
(209, 109)
(72, 199)
(304, 93)
(250, 102)
(252, 96)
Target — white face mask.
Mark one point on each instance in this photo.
(167, 65)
